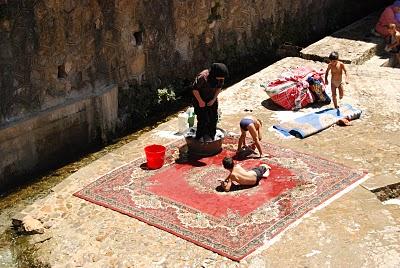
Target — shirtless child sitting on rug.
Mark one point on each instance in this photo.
(241, 176)
(337, 68)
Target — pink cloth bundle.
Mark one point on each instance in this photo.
(387, 17)
(291, 90)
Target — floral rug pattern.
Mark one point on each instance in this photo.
(183, 196)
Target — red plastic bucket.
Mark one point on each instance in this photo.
(155, 155)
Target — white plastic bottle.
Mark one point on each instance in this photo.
(183, 122)
(190, 111)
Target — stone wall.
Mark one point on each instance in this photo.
(55, 53)
(54, 50)
(45, 139)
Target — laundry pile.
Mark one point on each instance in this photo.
(298, 87)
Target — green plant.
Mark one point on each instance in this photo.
(165, 95)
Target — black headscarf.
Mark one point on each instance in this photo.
(217, 70)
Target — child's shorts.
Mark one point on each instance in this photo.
(260, 172)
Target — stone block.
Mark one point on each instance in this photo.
(43, 140)
(380, 181)
(354, 43)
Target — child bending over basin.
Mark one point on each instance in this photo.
(240, 176)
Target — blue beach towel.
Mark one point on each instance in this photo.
(312, 123)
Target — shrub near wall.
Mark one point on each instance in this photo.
(140, 105)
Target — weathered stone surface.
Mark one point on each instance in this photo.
(49, 137)
(53, 53)
(28, 225)
(51, 50)
(354, 43)
(377, 182)
(354, 230)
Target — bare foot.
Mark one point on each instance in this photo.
(266, 173)
(266, 166)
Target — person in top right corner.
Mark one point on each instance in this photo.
(390, 15)
(337, 69)
(393, 45)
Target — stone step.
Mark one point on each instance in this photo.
(378, 60)
(354, 43)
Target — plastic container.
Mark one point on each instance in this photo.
(191, 120)
(155, 156)
(190, 111)
(195, 147)
(183, 124)
(191, 116)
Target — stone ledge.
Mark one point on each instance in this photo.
(355, 43)
(378, 182)
(381, 61)
(37, 142)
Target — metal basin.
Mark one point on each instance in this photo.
(195, 147)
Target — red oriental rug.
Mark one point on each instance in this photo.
(183, 198)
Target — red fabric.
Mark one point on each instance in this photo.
(287, 97)
(385, 19)
(182, 198)
(208, 202)
(284, 91)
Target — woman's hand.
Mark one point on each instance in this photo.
(211, 102)
(202, 104)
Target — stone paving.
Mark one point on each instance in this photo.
(355, 43)
(356, 230)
